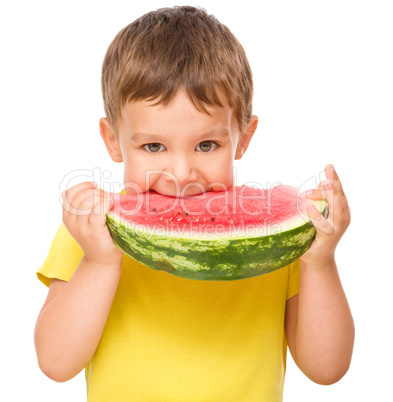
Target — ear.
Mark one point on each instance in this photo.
(110, 140)
(245, 137)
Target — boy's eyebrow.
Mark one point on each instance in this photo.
(140, 136)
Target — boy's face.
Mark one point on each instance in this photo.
(176, 150)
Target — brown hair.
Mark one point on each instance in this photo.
(177, 48)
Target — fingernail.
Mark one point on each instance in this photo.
(62, 194)
(309, 192)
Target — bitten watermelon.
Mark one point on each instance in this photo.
(224, 235)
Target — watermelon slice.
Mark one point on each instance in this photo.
(224, 235)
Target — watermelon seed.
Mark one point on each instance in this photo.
(187, 213)
(213, 219)
(154, 210)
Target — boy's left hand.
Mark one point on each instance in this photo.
(328, 230)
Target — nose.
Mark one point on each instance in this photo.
(184, 170)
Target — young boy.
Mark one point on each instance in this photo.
(177, 91)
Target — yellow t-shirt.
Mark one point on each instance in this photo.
(175, 339)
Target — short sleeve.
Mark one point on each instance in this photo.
(63, 258)
(293, 279)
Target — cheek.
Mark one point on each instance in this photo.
(134, 178)
(221, 171)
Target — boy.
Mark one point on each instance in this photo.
(177, 92)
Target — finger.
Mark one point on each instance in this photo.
(340, 199)
(69, 195)
(321, 193)
(103, 206)
(82, 206)
(326, 188)
(320, 223)
(331, 174)
(326, 184)
(83, 202)
(337, 205)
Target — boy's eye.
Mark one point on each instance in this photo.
(153, 147)
(206, 146)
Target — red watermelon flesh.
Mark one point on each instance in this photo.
(239, 206)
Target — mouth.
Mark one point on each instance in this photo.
(184, 194)
(181, 195)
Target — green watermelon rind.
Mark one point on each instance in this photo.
(221, 258)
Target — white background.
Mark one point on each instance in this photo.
(323, 92)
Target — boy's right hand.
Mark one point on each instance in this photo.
(84, 215)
